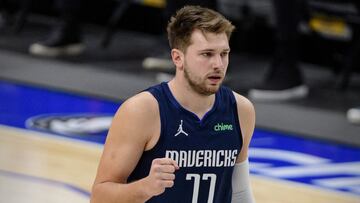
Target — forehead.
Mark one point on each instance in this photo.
(206, 41)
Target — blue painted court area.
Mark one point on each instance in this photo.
(272, 154)
(40, 109)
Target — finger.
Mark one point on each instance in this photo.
(167, 176)
(166, 161)
(167, 168)
(176, 165)
(167, 183)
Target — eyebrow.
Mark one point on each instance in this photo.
(211, 50)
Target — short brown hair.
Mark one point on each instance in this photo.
(190, 18)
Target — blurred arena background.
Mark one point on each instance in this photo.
(54, 111)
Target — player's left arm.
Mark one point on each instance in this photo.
(240, 179)
(246, 114)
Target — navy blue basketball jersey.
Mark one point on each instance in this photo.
(205, 149)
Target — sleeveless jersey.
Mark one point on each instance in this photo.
(205, 150)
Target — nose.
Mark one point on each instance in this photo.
(218, 61)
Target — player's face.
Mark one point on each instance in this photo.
(206, 61)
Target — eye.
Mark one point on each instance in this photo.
(223, 54)
(206, 54)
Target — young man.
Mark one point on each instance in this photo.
(181, 141)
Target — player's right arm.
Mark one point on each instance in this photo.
(135, 128)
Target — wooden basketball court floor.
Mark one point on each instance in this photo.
(47, 155)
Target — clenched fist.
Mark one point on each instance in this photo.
(161, 175)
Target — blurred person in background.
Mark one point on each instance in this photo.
(352, 62)
(353, 114)
(160, 59)
(65, 37)
(284, 79)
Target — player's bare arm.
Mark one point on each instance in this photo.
(242, 192)
(246, 114)
(135, 128)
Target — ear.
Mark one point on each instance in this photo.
(177, 57)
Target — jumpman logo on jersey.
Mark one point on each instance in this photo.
(180, 130)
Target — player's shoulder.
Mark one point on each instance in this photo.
(243, 103)
(142, 104)
(144, 98)
(246, 114)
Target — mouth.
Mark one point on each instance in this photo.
(215, 78)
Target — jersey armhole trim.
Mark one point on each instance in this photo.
(237, 119)
(162, 121)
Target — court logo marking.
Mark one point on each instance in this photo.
(71, 124)
(302, 167)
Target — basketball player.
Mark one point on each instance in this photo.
(185, 140)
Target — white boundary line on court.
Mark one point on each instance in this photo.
(52, 136)
(304, 185)
(100, 146)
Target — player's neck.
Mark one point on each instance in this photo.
(191, 100)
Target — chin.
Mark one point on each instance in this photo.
(213, 89)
